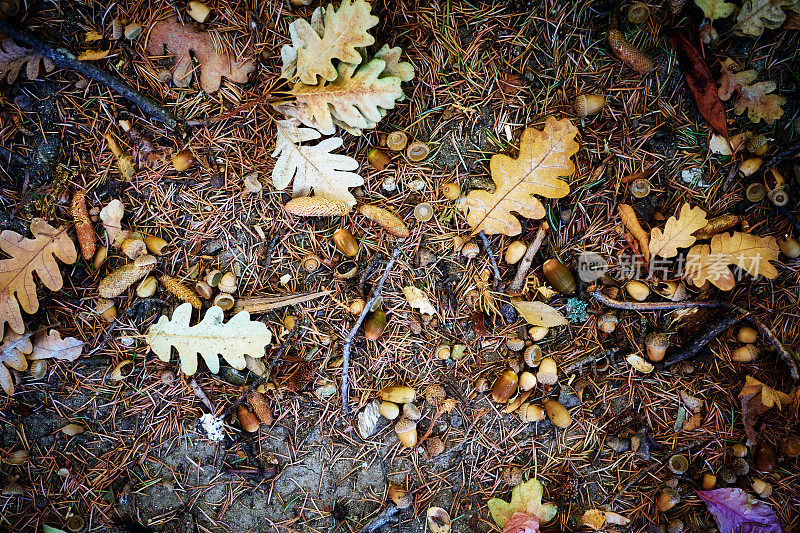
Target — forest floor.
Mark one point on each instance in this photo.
(483, 72)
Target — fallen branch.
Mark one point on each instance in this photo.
(261, 304)
(697, 344)
(66, 59)
(527, 260)
(783, 353)
(376, 292)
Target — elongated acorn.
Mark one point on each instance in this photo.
(316, 206)
(588, 104)
(147, 287)
(790, 247)
(505, 386)
(750, 166)
(559, 276)
(38, 368)
(377, 158)
(247, 419)
(345, 242)
(515, 251)
(389, 410)
(227, 283)
(155, 245)
(747, 334)
(120, 279)
(182, 160)
(385, 219)
(557, 413)
(548, 372)
(745, 354)
(203, 290)
(667, 499)
(260, 407)
(637, 290)
(375, 324)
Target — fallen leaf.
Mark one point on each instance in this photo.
(540, 314)
(702, 266)
(753, 97)
(312, 166)
(544, 157)
(677, 232)
(215, 61)
(749, 20)
(289, 51)
(700, 81)
(93, 55)
(736, 512)
(12, 355)
(751, 253)
(757, 398)
(210, 338)
(418, 300)
(394, 67)
(631, 222)
(111, 217)
(13, 57)
(597, 518)
(50, 345)
(345, 30)
(355, 98)
(525, 498)
(522, 523)
(716, 9)
(17, 286)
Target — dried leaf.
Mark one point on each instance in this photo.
(418, 300)
(525, 498)
(544, 156)
(17, 286)
(12, 355)
(345, 30)
(13, 57)
(182, 40)
(758, 398)
(753, 97)
(111, 216)
(394, 67)
(750, 17)
(355, 98)
(289, 51)
(522, 523)
(677, 232)
(597, 518)
(50, 345)
(312, 166)
(93, 55)
(540, 314)
(700, 81)
(716, 9)
(631, 222)
(210, 338)
(736, 512)
(750, 253)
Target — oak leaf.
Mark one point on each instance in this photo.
(710, 262)
(210, 338)
(631, 222)
(13, 57)
(756, 98)
(289, 51)
(419, 300)
(677, 232)
(17, 286)
(757, 398)
(394, 67)
(50, 345)
(540, 314)
(716, 9)
(525, 498)
(312, 166)
(544, 157)
(215, 62)
(355, 98)
(12, 355)
(750, 17)
(344, 31)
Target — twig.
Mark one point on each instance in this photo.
(386, 516)
(66, 59)
(697, 344)
(376, 292)
(487, 247)
(260, 304)
(783, 353)
(527, 260)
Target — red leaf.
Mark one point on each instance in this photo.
(701, 82)
(735, 512)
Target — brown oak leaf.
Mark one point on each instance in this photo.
(756, 98)
(17, 286)
(758, 398)
(631, 222)
(12, 355)
(710, 262)
(50, 345)
(677, 232)
(13, 57)
(171, 37)
(544, 157)
(756, 15)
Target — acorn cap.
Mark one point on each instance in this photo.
(434, 446)
(317, 206)
(435, 394)
(533, 355)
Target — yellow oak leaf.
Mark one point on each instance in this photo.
(544, 157)
(749, 20)
(716, 9)
(525, 498)
(710, 262)
(677, 232)
(757, 398)
(755, 98)
(540, 314)
(701, 266)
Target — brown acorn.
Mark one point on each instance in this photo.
(559, 276)
(657, 344)
(247, 419)
(407, 432)
(83, 225)
(765, 457)
(317, 206)
(746, 353)
(120, 279)
(345, 242)
(260, 407)
(375, 324)
(385, 219)
(667, 499)
(607, 322)
(505, 386)
(557, 413)
(377, 158)
(401, 497)
(180, 291)
(588, 104)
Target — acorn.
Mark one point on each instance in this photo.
(100, 256)
(739, 450)
(182, 160)
(260, 407)
(407, 432)
(679, 464)
(438, 520)
(470, 250)
(750, 166)
(345, 242)
(227, 283)
(792, 446)
(357, 306)
(375, 324)
(657, 344)
(538, 333)
(790, 247)
(18, 457)
(639, 363)
(676, 525)
(401, 497)
(155, 245)
(203, 290)
(559, 276)
(434, 446)
(762, 488)
(198, 11)
(247, 419)
(417, 151)
(638, 12)
(529, 412)
(667, 499)
(451, 191)
(377, 158)
(640, 188)
(481, 385)
(311, 263)
(757, 144)
(527, 381)
(607, 322)
(398, 394)
(709, 481)
(548, 372)
(588, 104)
(505, 386)
(224, 301)
(755, 192)
(72, 429)
(106, 309)
(389, 410)
(345, 270)
(411, 412)
(397, 141)
(637, 290)
(557, 413)
(765, 457)
(745, 354)
(442, 352)
(515, 251)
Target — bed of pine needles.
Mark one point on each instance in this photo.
(484, 71)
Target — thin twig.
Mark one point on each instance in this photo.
(487, 247)
(697, 344)
(783, 353)
(527, 260)
(66, 59)
(376, 292)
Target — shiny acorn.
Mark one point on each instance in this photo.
(398, 394)
(375, 324)
(557, 413)
(505, 386)
(637, 290)
(407, 432)
(559, 276)
(345, 242)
